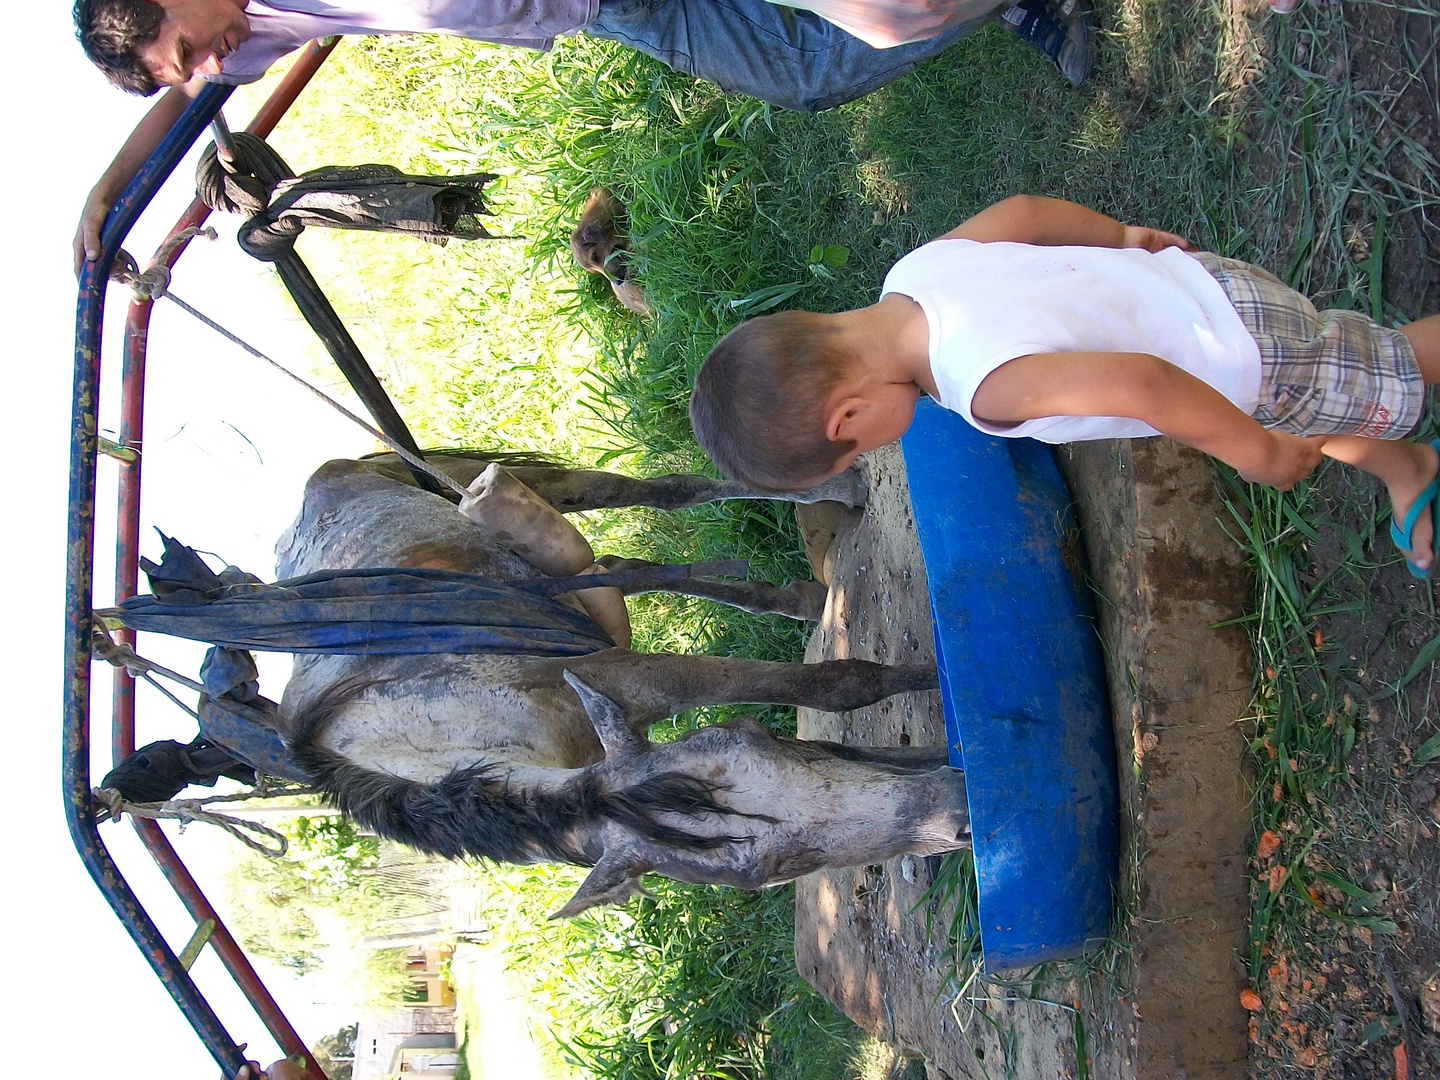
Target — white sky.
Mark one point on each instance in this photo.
(228, 445)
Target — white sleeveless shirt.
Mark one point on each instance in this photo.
(986, 304)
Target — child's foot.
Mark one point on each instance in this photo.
(1415, 510)
(1063, 30)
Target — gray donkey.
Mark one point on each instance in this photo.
(526, 758)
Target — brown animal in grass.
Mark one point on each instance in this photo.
(601, 244)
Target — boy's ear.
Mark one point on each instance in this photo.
(841, 415)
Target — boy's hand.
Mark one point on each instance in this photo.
(1140, 236)
(1289, 459)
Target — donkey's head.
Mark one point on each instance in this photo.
(733, 805)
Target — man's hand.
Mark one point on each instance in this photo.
(1152, 240)
(138, 146)
(284, 1069)
(1287, 461)
(92, 220)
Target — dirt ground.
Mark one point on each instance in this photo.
(1350, 985)
(1393, 59)
(1349, 1001)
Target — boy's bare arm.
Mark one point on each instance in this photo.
(1034, 219)
(140, 144)
(1150, 389)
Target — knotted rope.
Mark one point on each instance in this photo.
(154, 283)
(113, 805)
(114, 653)
(136, 666)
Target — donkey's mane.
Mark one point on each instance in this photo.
(477, 812)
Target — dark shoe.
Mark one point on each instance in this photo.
(1063, 30)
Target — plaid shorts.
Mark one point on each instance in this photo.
(1322, 372)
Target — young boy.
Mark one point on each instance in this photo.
(1038, 317)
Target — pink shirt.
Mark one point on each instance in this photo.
(280, 26)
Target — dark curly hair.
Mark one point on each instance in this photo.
(112, 33)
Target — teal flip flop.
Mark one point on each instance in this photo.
(1402, 533)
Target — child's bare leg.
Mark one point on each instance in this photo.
(1405, 468)
(1424, 335)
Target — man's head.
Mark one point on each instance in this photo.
(760, 399)
(142, 45)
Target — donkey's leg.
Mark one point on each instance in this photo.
(798, 600)
(652, 686)
(585, 489)
(899, 759)
(569, 490)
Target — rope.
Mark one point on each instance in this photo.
(136, 666)
(174, 700)
(155, 283)
(113, 805)
(106, 648)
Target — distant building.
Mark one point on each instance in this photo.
(416, 1037)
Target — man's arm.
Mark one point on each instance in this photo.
(884, 24)
(139, 146)
(1034, 219)
(1150, 389)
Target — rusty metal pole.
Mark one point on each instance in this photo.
(79, 571)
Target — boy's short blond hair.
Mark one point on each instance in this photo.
(759, 400)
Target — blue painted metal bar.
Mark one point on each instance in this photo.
(80, 538)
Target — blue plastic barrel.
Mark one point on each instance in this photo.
(1022, 683)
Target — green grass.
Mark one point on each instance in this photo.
(1251, 139)
(691, 982)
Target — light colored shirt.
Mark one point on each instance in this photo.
(986, 304)
(280, 26)
(885, 23)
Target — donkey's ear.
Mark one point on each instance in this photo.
(619, 741)
(614, 880)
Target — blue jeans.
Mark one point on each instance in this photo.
(790, 58)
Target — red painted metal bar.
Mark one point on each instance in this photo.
(132, 397)
(127, 569)
(226, 947)
(132, 417)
